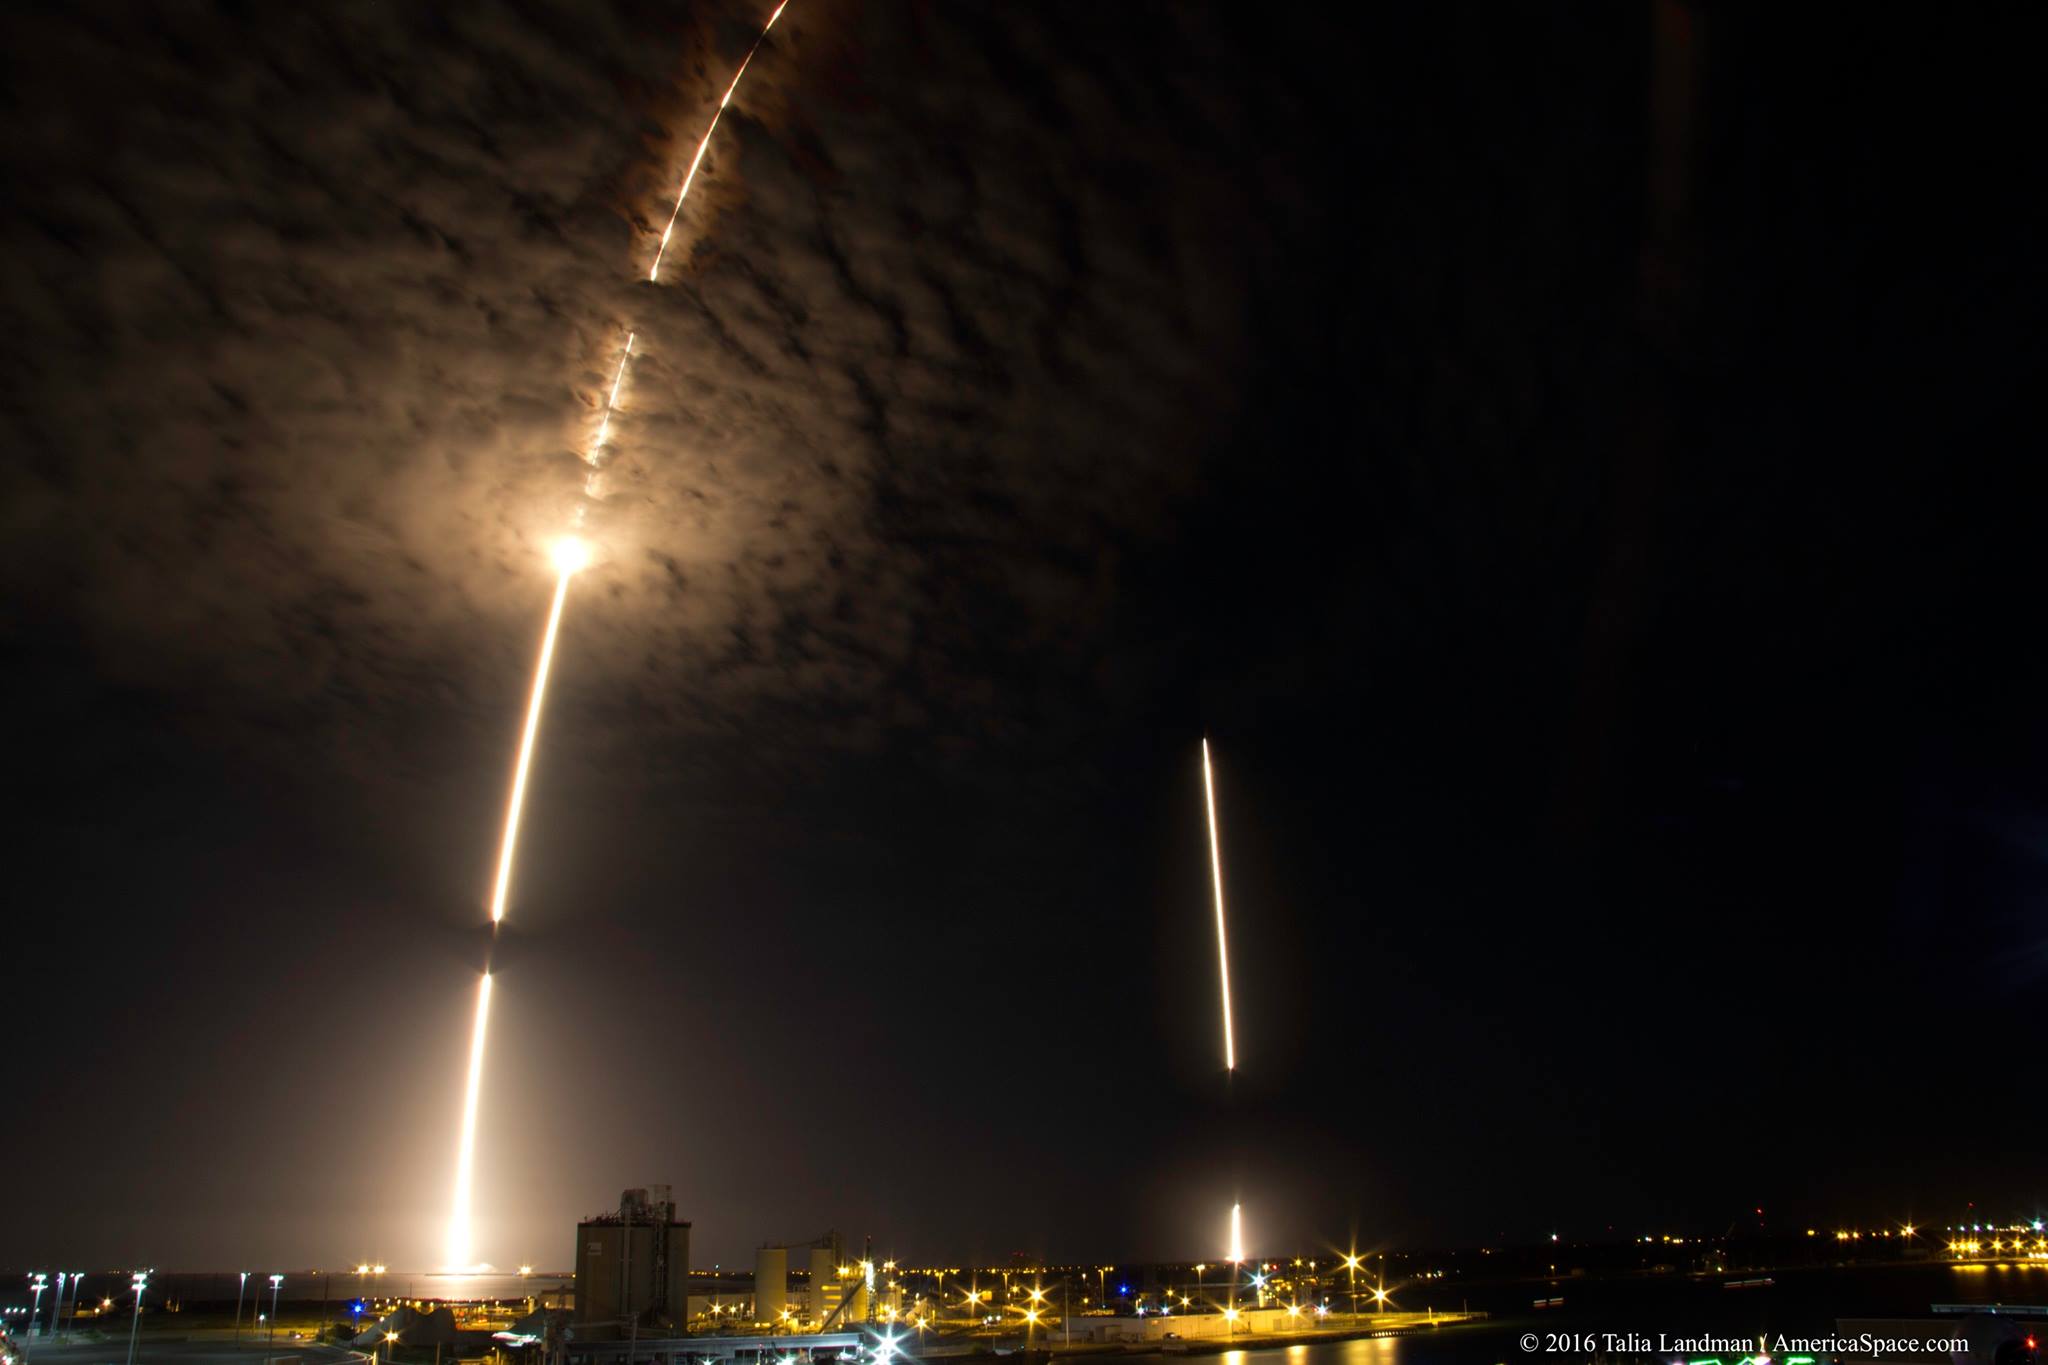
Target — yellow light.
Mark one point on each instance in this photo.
(362, 1270)
(1230, 1315)
(1222, 940)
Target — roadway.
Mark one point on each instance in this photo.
(182, 1350)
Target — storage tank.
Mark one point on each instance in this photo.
(824, 1283)
(771, 1284)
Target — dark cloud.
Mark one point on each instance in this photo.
(323, 326)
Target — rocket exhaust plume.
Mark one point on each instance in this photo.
(1237, 1234)
(571, 555)
(1222, 940)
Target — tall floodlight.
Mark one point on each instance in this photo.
(141, 1282)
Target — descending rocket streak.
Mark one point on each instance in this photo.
(517, 804)
(1222, 940)
(1237, 1234)
(465, 1154)
(704, 142)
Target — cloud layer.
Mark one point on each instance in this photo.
(315, 312)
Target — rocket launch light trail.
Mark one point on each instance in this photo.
(571, 555)
(1222, 941)
(465, 1160)
(704, 143)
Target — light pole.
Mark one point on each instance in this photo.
(36, 1283)
(276, 1283)
(141, 1282)
(77, 1287)
(239, 1290)
(1351, 1273)
(57, 1308)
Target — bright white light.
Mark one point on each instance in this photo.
(1236, 1234)
(465, 1153)
(571, 554)
(1222, 941)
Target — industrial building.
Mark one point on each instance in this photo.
(633, 1265)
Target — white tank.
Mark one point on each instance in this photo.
(771, 1284)
(824, 1283)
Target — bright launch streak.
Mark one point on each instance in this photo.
(525, 764)
(704, 143)
(571, 554)
(1222, 942)
(1236, 1234)
(465, 1154)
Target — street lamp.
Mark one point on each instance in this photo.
(276, 1283)
(239, 1290)
(57, 1305)
(141, 1282)
(1351, 1273)
(36, 1284)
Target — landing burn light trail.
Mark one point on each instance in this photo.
(1223, 974)
(571, 555)
(1216, 877)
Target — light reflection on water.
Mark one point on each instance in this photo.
(1469, 1346)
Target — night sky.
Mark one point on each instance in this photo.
(1575, 463)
